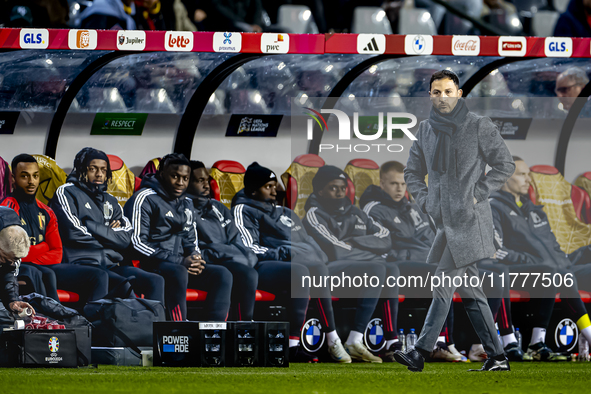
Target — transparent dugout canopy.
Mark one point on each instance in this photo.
(268, 84)
(164, 82)
(151, 82)
(36, 80)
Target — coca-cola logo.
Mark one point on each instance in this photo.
(512, 46)
(469, 45)
(178, 41)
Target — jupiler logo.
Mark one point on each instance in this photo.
(345, 130)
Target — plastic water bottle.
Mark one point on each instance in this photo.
(402, 339)
(411, 339)
(583, 349)
(500, 340)
(519, 338)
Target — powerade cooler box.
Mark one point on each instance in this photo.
(221, 344)
(38, 348)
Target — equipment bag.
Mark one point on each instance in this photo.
(123, 322)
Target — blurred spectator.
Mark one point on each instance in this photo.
(184, 22)
(227, 15)
(569, 85)
(34, 13)
(576, 21)
(129, 15)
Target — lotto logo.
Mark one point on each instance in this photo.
(178, 41)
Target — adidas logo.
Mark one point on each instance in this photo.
(372, 46)
(342, 176)
(87, 205)
(513, 213)
(169, 214)
(272, 175)
(396, 220)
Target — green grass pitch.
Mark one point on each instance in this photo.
(530, 378)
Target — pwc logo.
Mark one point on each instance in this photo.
(274, 43)
(558, 46)
(82, 39)
(512, 46)
(34, 38)
(178, 41)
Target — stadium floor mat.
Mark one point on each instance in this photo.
(565, 377)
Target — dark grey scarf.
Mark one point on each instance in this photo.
(444, 125)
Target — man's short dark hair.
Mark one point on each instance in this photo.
(22, 158)
(445, 74)
(172, 159)
(517, 158)
(195, 165)
(391, 166)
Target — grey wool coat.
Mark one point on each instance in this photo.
(466, 227)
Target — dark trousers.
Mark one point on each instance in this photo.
(214, 279)
(146, 284)
(275, 277)
(474, 301)
(244, 286)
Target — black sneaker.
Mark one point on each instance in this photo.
(541, 352)
(514, 352)
(493, 365)
(298, 354)
(387, 355)
(412, 359)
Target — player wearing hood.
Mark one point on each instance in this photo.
(93, 229)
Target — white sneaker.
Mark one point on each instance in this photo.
(338, 353)
(477, 353)
(442, 353)
(452, 349)
(358, 351)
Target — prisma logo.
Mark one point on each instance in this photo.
(345, 130)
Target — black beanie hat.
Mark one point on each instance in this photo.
(325, 175)
(256, 176)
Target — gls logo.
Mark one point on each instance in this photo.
(345, 130)
(34, 38)
(558, 47)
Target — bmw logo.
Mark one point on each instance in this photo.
(566, 334)
(418, 44)
(312, 336)
(374, 335)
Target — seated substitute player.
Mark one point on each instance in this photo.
(412, 237)
(165, 240)
(276, 235)
(220, 243)
(527, 245)
(93, 229)
(45, 253)
(345, 233)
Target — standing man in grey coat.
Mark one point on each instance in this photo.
(453, 148)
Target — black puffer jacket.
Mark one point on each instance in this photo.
(164, 228)
(409, 227)
(84, 214)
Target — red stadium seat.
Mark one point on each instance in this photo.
(68, 296)
(227, 178)
(585, 297)
(519, 296)
(582, 204)
(199, 295)
(363, 173)
(351, 191)
(298, 180)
